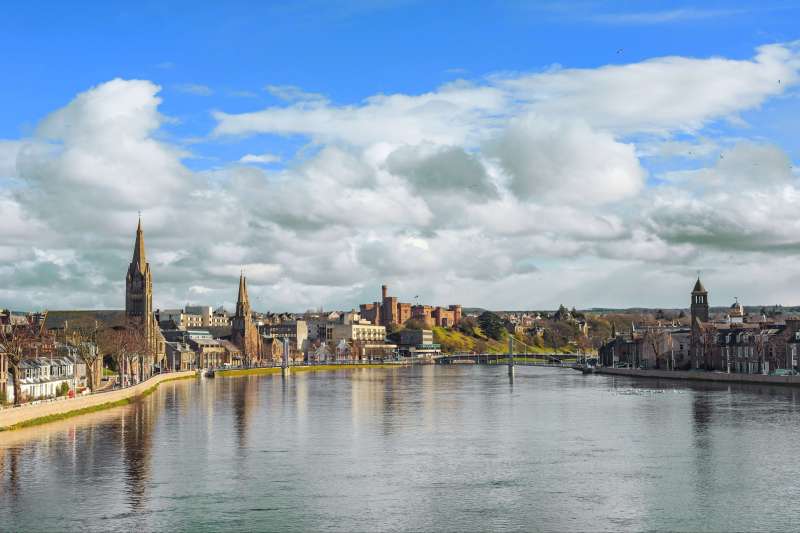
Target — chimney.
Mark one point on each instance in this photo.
(384, 291)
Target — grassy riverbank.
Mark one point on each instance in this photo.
(311, 368)
(92, 409)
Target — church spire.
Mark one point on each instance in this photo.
(139, 261)
(242, 290)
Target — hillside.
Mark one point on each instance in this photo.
(453, 341)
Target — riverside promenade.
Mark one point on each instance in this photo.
(701, 376)
(15, 417)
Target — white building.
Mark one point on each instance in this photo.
(43, 377)
(358, 332)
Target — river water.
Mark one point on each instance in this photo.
(454, 448)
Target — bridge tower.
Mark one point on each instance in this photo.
(511, 357)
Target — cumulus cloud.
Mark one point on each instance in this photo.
(8, 158)
(430, 168)
(663, 94)
(567, 161)
(747, 201)
(513, 191)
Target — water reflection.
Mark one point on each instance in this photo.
(414, 449)
(136, 430)
(245, 406)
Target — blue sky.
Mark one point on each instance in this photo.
(299, 82)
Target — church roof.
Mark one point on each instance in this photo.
(698, 287)
(84, 319)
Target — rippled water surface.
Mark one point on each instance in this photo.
(427, 448)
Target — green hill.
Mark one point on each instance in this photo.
(453, 341)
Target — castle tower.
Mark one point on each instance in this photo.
(244, 332)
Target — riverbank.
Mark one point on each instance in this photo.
(303, 368)
(701, 376)
(43, 413)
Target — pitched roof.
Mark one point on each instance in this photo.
(84, 318)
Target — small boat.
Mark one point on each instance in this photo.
(209, 373)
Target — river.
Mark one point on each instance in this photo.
(449, 448)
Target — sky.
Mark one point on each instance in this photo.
(497, 154)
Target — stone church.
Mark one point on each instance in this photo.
(139, 306)
(244, 332)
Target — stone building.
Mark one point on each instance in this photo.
(273, 350)
(180, 357)
(244, 332)
(735, 345)
(210, 352)
(139, 306)
(296, 331)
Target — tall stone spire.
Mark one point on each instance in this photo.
(244, 332)
(242, 301)
(139, 261)
(138, 282)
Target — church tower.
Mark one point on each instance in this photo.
(139, 306)
(244, 332)
(699, 305)
(700, 354)
(139, 283)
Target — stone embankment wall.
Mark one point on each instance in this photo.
(12, 416)
(702, 376)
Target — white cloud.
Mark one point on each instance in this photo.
(662, 94)
(566, 161)
(528, 183)
(8, 158)
(262, 159)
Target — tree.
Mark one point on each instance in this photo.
(760, 342)
(415, 323)
(468, 325)
(84, 341)
(127, 345)
(17, 340)
(656, 339)
(492, 325)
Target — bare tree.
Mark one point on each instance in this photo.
(760, 342)
(18, 341)
(708, 336)
(127, 345)
(84, 341)
(655, 339)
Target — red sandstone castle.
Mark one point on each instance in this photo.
(390, 311)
